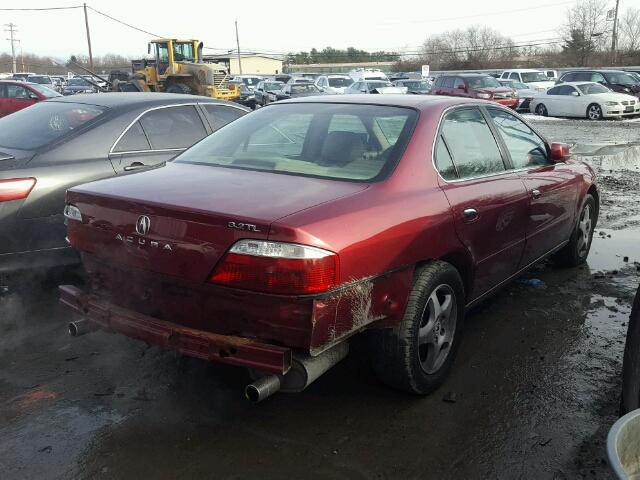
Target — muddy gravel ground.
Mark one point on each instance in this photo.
(531, 396)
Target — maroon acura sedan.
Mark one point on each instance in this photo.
(272, 241)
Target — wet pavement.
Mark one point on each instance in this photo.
(532, 394)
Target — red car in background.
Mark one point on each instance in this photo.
(16, 95)
(275, 239)
(471, 85)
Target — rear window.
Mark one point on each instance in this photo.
(44, 123)
(345, 142)
(339, 82)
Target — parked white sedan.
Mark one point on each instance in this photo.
(584, 99)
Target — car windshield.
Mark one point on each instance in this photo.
(44, 123)
(532, 77)
(516, 85)
(78, 82)
(593, 88)
(620, 78)
(483, 82)
(336, 141)
(39, 79)
(304, 88)
(339, 82)
(273, 86)
(417, 85)
(47, 92)
(251, 80)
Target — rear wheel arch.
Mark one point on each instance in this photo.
(459, 260)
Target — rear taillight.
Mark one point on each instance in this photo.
(16, 188)
(276, 267)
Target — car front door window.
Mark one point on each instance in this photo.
(525, 147)
(472, 145)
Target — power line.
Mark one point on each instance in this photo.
(125, 23)
(38, 9)
(487, 14)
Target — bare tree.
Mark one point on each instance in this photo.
(474, 47)
(629, 30)
(586, 31)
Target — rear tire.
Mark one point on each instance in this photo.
(417, 354)
(179, 88)
(542, 110)
(631, 365)
(594, 112)
(576, 251)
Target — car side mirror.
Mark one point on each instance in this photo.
(575, 94)
(560, 152)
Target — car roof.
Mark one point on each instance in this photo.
(18, 82)
(523, 70)
(418, 102)
(595, 70)
(577, 83)
(128, 99)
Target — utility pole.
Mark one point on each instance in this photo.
(238, 43)
(86, 23)
(12, 29)
(614, 36)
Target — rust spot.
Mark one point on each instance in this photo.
(30, 398)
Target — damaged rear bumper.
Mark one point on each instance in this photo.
(239, 351)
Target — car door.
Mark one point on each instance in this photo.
(4, 101)
(552, 188)
(20, 97)
(157, 136)
(259, 92)
(575, 101)
(488, 200)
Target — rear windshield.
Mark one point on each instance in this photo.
(269, 86)
(44, 123)
(345, 142)
(39, 79)
(47, 92)
(339, 82)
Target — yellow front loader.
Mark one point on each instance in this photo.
(178, 68)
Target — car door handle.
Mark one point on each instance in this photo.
(134, 166)
(470, 214)
(536, 194)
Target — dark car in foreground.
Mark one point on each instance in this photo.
(616, 80)
(65, 141)
(16, 95)
(273, 241)
(472, 85)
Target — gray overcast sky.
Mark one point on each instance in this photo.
(279, 26)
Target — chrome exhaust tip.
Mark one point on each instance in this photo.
(80, 327)
(262, 388)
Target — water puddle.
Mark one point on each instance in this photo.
(614, 249)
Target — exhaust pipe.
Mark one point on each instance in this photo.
(304, 371)
(80, 327)
(262, 388)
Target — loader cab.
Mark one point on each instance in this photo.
(170, 51)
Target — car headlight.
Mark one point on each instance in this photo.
(611, 104)
(484, 95)
(72, 212)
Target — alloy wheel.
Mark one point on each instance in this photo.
(594, 112)
(584, 231)
(437, 328)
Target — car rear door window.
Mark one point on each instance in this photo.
(173, 127)
(525, 147)
(472, 145)
(219, 115)
(444, 162)
(133, 141)
(448, 82)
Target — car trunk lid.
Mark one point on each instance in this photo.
(179, 220)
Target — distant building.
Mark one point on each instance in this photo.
(251, 63)
(386, 67)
